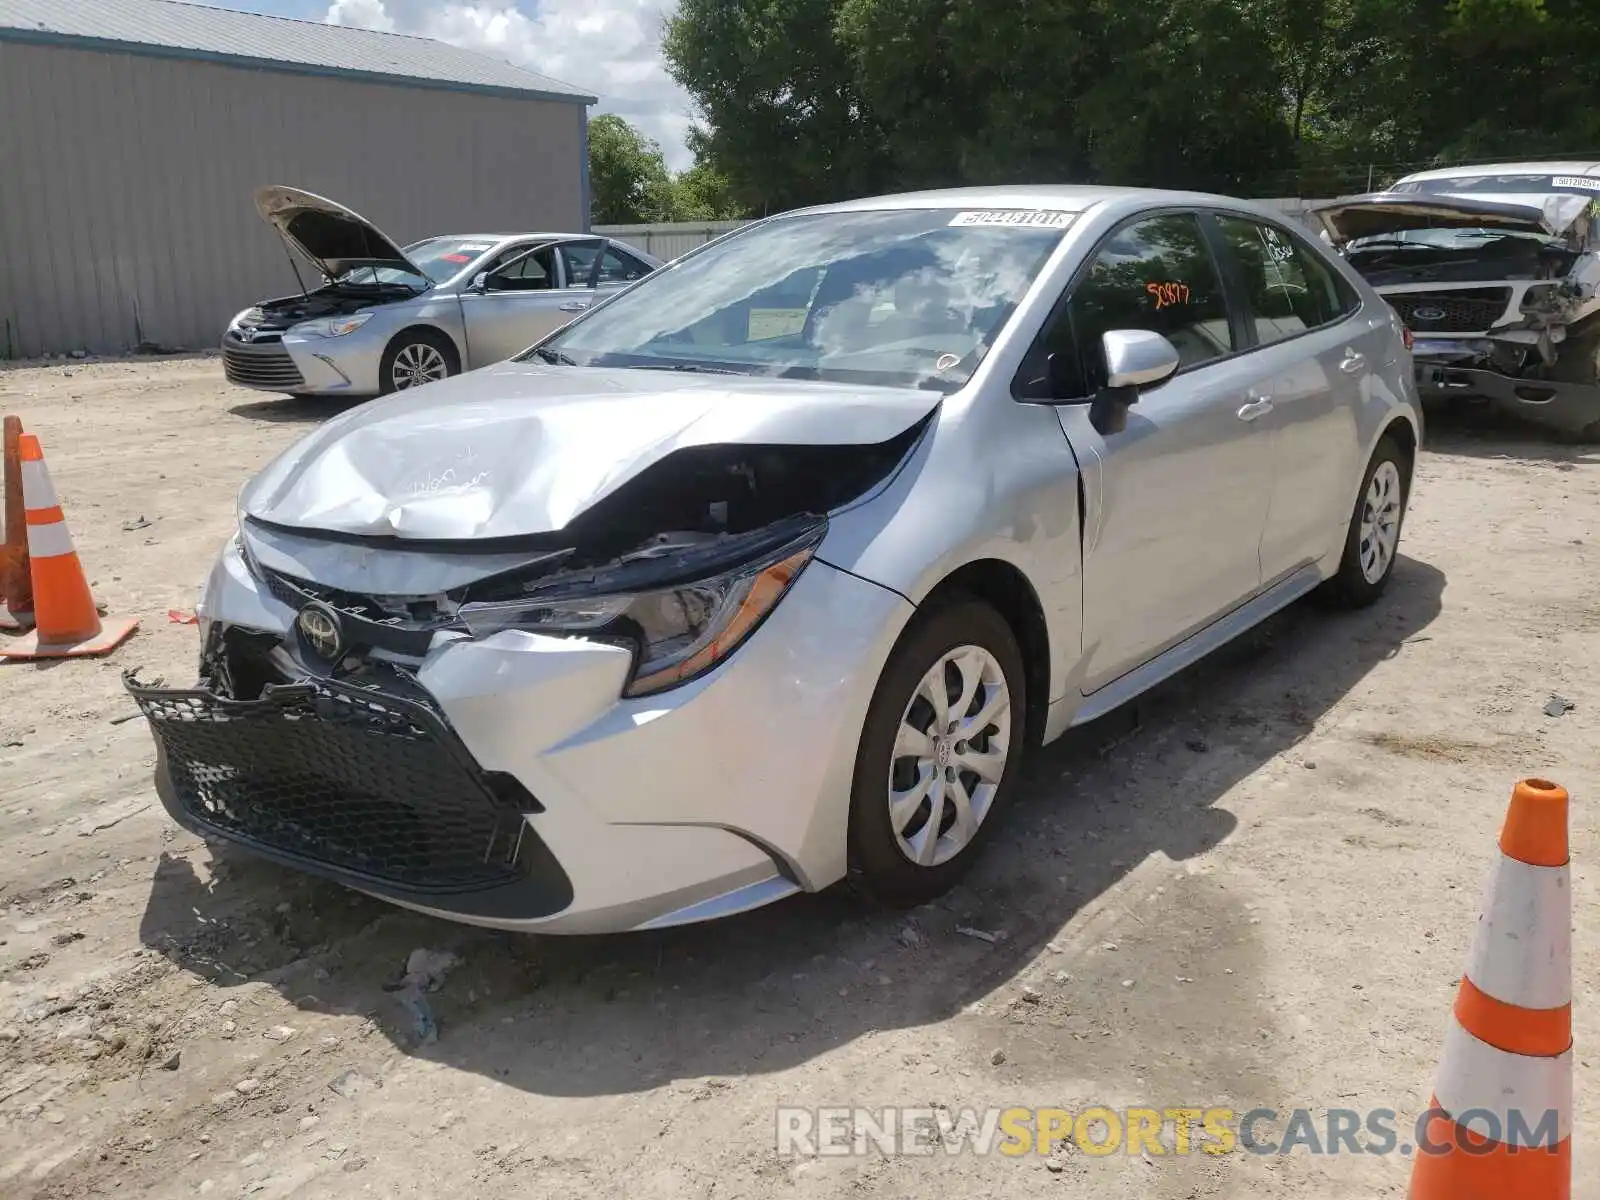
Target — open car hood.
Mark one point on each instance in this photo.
(1380, 213)
(329, 234)
(521, 448)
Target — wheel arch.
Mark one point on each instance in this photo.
(428, 327)
(1004, 587)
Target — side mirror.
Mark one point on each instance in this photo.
(1136, 359)
(480, 282)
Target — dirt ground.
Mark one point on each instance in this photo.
(1259, 897)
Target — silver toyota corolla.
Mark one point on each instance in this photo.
(385, 319)
(767, 571)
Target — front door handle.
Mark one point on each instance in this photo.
(1256, 408)
(1354, 361)
(575, 306)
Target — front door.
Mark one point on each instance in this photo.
(1175, 502)
(522, 299)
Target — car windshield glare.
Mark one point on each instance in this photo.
(898, 298)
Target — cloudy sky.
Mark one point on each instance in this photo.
(611, 48)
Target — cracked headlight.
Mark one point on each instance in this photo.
(332, 327)
(677, 633)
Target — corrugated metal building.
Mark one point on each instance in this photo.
(132, 133)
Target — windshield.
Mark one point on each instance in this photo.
(898, 298)
(439, 258)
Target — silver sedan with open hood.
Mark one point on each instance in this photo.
(1496, 272)
(382, 319)
(768, 571)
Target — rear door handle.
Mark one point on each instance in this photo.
(1256, 408)
(1354, 361)
(574, 306)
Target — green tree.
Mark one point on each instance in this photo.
(702, 193)
(628, 179)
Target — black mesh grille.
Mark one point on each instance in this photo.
(370, 784)
(1469, 311)
(259, 366)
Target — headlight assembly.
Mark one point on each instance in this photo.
(677, 633)
(332, 327)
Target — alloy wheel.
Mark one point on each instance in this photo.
(417, 364)
(1380, 521)
(950, 753)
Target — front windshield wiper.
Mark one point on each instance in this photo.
(691, 368)
(555, 357)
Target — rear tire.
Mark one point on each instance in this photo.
(415, 357)
(1372, 542)
(931, 777)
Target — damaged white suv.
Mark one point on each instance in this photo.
(1496, 272)
(766, 571)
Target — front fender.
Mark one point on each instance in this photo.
(989, 481)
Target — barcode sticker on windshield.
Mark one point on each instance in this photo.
(1585, 182)
(475, 246)
(1015, 218)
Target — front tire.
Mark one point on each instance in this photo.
(939, 755)
(416, 357)
(1372, 542)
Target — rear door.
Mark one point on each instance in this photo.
(1175, 502)
(1316, 361)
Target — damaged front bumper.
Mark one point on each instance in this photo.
(1471, 369)
(504, 780)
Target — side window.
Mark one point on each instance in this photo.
(618, 267)
(534, 272)
(578, 257)
(1155, 274)
(1337, 298)
(1289, 290)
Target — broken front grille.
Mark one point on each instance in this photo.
(372, 785)
(1471, 310)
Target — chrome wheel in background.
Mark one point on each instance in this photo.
(417, 364)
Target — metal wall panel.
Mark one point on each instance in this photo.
(125, 181)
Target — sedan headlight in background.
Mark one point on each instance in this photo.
(332, 327)
(677, 633)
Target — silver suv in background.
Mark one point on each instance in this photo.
(1496, 271)
(385, 319)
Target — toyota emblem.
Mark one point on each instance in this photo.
(1427, 312)
(320, 627)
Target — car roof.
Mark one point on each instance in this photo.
(1472, 170)
(1056, 197)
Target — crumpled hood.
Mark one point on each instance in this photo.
(1551, 213)
(522, 448)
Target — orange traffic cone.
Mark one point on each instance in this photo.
(1501, 1120)
(16, 594)
(66, 622)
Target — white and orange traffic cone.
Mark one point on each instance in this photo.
(66, 621)
(1501, 1120)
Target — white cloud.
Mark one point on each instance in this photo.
(611, 48)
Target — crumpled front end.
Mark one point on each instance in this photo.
(1501, 293)
(555, 735)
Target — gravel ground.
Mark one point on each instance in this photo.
(1258, 896)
